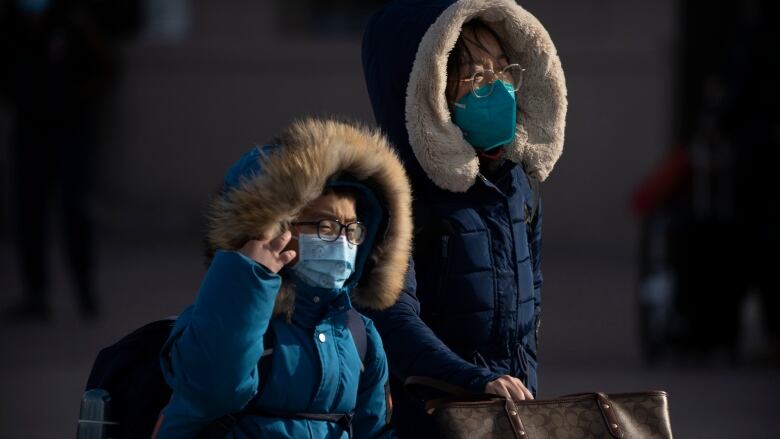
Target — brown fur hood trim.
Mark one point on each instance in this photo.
(293, 174)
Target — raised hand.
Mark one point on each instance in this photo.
(270, 252)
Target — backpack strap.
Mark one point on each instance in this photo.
(357, 327)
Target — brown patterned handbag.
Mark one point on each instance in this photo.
(463, 414)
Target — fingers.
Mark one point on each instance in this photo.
(528, 395)
(510, 388)
(497, 387)
(505, 391)
(519, 390)
(270, 253)
(515, 391)
(286, 257)
(278, 244)
(500, 387)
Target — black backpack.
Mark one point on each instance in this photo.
(126, 391)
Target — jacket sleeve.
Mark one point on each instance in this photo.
(210, 359)
(413, 349)
(372, 410)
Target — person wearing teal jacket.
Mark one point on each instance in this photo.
(269, 301)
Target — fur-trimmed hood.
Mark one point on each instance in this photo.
(269, 186)
(405, 52)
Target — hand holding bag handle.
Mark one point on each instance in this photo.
(419, 387)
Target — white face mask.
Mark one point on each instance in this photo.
(324, 264)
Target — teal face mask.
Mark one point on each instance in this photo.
(488, 122)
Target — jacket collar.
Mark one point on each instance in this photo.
(313, 304)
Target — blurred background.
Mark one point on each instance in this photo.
(118, 119)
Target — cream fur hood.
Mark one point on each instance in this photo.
(270, 185)
(421, 35)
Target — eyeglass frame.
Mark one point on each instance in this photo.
(492, 83)
(342, 227)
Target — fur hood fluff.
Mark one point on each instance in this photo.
(430, 30)
(438, 143)
(310, 155)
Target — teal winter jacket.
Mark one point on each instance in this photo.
(212, 360)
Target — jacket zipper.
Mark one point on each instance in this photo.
(499, 310)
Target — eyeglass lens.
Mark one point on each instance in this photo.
(330, 230)
(482, 82)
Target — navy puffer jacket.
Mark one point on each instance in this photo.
(471, 304)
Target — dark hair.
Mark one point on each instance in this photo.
(461, 53)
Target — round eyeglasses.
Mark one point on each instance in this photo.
(511, 74)
(330, 230)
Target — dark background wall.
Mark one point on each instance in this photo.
(185, 107)
(199, 87)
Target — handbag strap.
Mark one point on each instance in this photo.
(514, 419)
(608, 411)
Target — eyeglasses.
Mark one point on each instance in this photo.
(330, 230)
(511, 74)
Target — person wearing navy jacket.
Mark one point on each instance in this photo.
(342, 195)
(472, 95)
